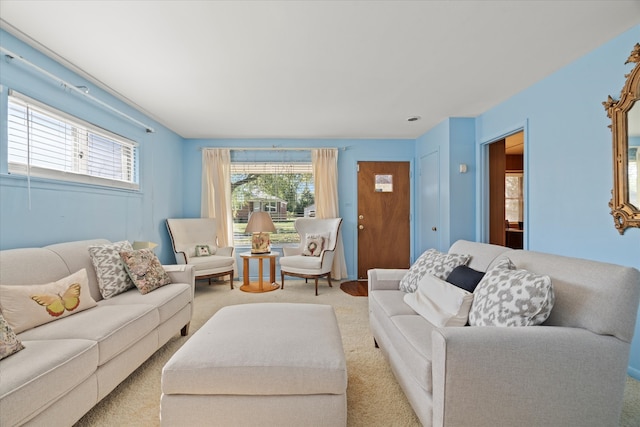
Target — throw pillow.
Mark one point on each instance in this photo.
(145, 270)
(431, 262)
(465, 277)
(509, 297)
(25, 307)
(112, 276)
(313, 245)
(440, 302)
(9, 342)
(203, 250)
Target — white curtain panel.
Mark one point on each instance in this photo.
(216, 192)
(325, 175)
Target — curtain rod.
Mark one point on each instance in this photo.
(272, 148)
(12, 56)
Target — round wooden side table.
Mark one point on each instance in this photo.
(259, 286)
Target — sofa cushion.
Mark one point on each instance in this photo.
(9, 342)
(41, 373)
(509, 297)
(412, 341)
(440, 302)
(209, 262)
(112, 275)
(301, 262)
(28, 306)
(434, 263)
(391, 302)
(144, 270)
(113, 327)
(465, 277)
(169, 299)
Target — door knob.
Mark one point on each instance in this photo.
(360, 216)
(361, 227)
(434, 229)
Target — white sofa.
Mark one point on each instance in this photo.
(70, 364)
(569, 371)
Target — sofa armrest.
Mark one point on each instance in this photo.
(385, 278)
(539, 375)
(182, 273)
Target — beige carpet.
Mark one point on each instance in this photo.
(373, 396)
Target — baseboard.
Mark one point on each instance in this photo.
(634, 373)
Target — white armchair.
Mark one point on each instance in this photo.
(189, 233)
(295, 262)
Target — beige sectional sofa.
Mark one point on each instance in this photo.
(70, 364)
(569, 371)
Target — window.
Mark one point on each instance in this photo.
(285, 190)
(48, 143)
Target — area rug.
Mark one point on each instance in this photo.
(355, 288)
(374, 398)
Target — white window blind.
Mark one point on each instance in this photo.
(48, 143)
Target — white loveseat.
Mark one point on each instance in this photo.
(570, 371)
(70, 364)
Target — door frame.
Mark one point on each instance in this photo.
(482, 182)
(412, 196)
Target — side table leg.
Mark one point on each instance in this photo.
(272, 270)
(245, 275)
(260, 274)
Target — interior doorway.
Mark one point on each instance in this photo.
(506, 191)
(383, 216)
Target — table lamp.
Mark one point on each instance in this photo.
(260, 225)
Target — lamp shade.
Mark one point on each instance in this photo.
(260, 222)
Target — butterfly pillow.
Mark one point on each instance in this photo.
(25, 307)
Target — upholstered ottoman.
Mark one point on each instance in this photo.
(266, 364)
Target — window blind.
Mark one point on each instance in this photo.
(49, 143)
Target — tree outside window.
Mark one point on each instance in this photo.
(284, 190)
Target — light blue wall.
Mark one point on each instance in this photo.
(60, 211)
(350, 152)
(454, 139)
(568, 162)
(569, 159)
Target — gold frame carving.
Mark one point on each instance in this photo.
(625, 214)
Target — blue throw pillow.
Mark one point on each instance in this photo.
(465, 277)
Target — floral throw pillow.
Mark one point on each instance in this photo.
(9, 342)
(145, 270)
(313, 245)
(432, 262)
(112, 276)
(509, 297)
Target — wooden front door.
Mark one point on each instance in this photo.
(383, 216)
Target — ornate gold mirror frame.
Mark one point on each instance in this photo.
(626, 212)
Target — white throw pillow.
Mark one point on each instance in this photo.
(27, 306)
(509, 297)
(440, 302)
(313, 245)
(431, 262)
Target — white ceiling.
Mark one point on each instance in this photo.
(316, 69)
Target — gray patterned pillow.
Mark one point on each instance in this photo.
(9, 342)
(431, 262)
(112, 275)
(509, 297)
